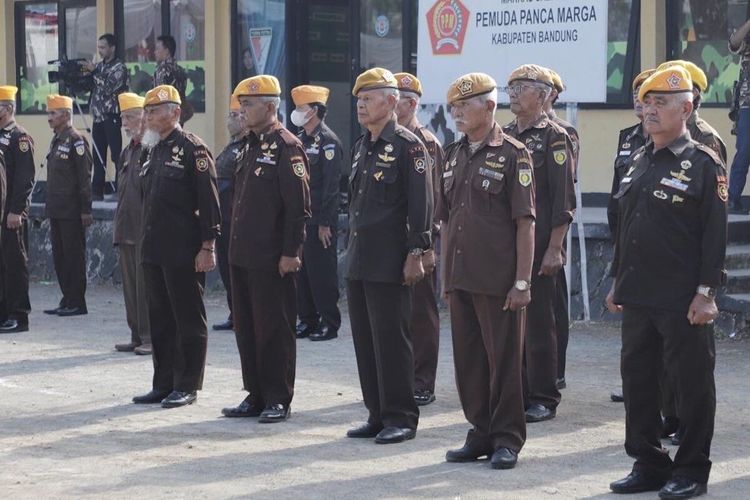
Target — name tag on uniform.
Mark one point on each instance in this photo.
(491, 173)
(447, 173)
(625, 153)
(4, 141)
(64, 149)
(267, 161)
(625, 180)
(674, 183)
(312, 151)
(174, 164)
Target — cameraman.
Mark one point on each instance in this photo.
(110, 78)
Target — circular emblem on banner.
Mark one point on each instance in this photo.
(447, 23)
(189, 31)
(382, 26)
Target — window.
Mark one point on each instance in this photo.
(36, 25)
(381, 34)
(622, 50)
(258, 42)
(699, 32)
(140, 22)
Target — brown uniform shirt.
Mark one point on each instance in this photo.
(701, 131)
(437, 156)
(552, 154)
(127, 225)
(18, 147)
(480, 197)
(68, 176)
(390, 209)
(271, 200)
(180, 200)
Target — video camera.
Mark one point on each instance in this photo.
(71, 75)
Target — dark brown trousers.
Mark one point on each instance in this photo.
(379, 315)
(134, 293)
(264, 313)
(424, 326)
(177, 318)
(68, 238)
(562, 321)
(488, 353)
(15, 272)
(540, 345)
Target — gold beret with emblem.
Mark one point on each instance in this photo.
(162, 94)
(375, 78)
(532, 73)
(409, 83)
(670, 80)
(556, 80)
(308, 94)
(234, 103)
(129, 100)
(642, 76)
(55, 101)
(8, 93)
(696, 74)
(260, 85)
(470, 85)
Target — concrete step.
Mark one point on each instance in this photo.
(734, 302)
(738, 230)
(738, 281)
(738, 256)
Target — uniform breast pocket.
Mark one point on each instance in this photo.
(487, 192)
(172, 186)
(385, 187)
(266, 172)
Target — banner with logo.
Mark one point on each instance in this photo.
(495, 36)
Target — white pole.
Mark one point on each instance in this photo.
(572, 116)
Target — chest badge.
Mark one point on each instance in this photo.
(378, 175)
(685, 164)
(486, 184)
(661, 194)
(258, 171)
(680, 176)
(388, 148)
(386, 157)
(677, 199)
(625, 145)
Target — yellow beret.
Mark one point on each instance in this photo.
(162, 94)
(128, 100)
(234, 103)
(308, 94)
(409, 83)
(470, 85)
(55, 101)
(638, 81)
(260, 85)
(670, 80)
(375, 78)
(696, 74)
(531, 72)
(8, 93)
(556, 80)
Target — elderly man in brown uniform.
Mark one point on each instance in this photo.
(271, 203)
(486, 199)
(552, 154)
(424, 324)
(18, 148)
(562, 318)
(390, 215)
(668, 263)
(226, 164)
(127, 227)
(181, 221)
(68, 205)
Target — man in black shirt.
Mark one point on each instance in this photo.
(669, 259)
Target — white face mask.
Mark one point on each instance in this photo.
(299, 118)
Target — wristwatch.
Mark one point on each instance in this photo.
(522, 285)
(416, 252)
(707, 291)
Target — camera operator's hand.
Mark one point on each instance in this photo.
(89, 65)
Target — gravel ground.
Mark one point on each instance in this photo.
(68, 430)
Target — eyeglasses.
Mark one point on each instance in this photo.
(516, 88)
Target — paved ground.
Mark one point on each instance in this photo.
(68, 430)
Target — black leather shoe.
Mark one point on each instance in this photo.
(637, 482)
(467, 454)
(225, 325)
(324, 332)
(53, 311)
(245, 409)
(129, 347)
(179, 398)
(304, 330)
(682, 487)
(14, 326)
(616, 396)
(152, 397)
(504, 458)
(143, 350)
(366, 430)
(423, 397)
(539, 413)
(274, 413)
(561, 384)
(390, 435)
(669, 425)
(72, 311)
